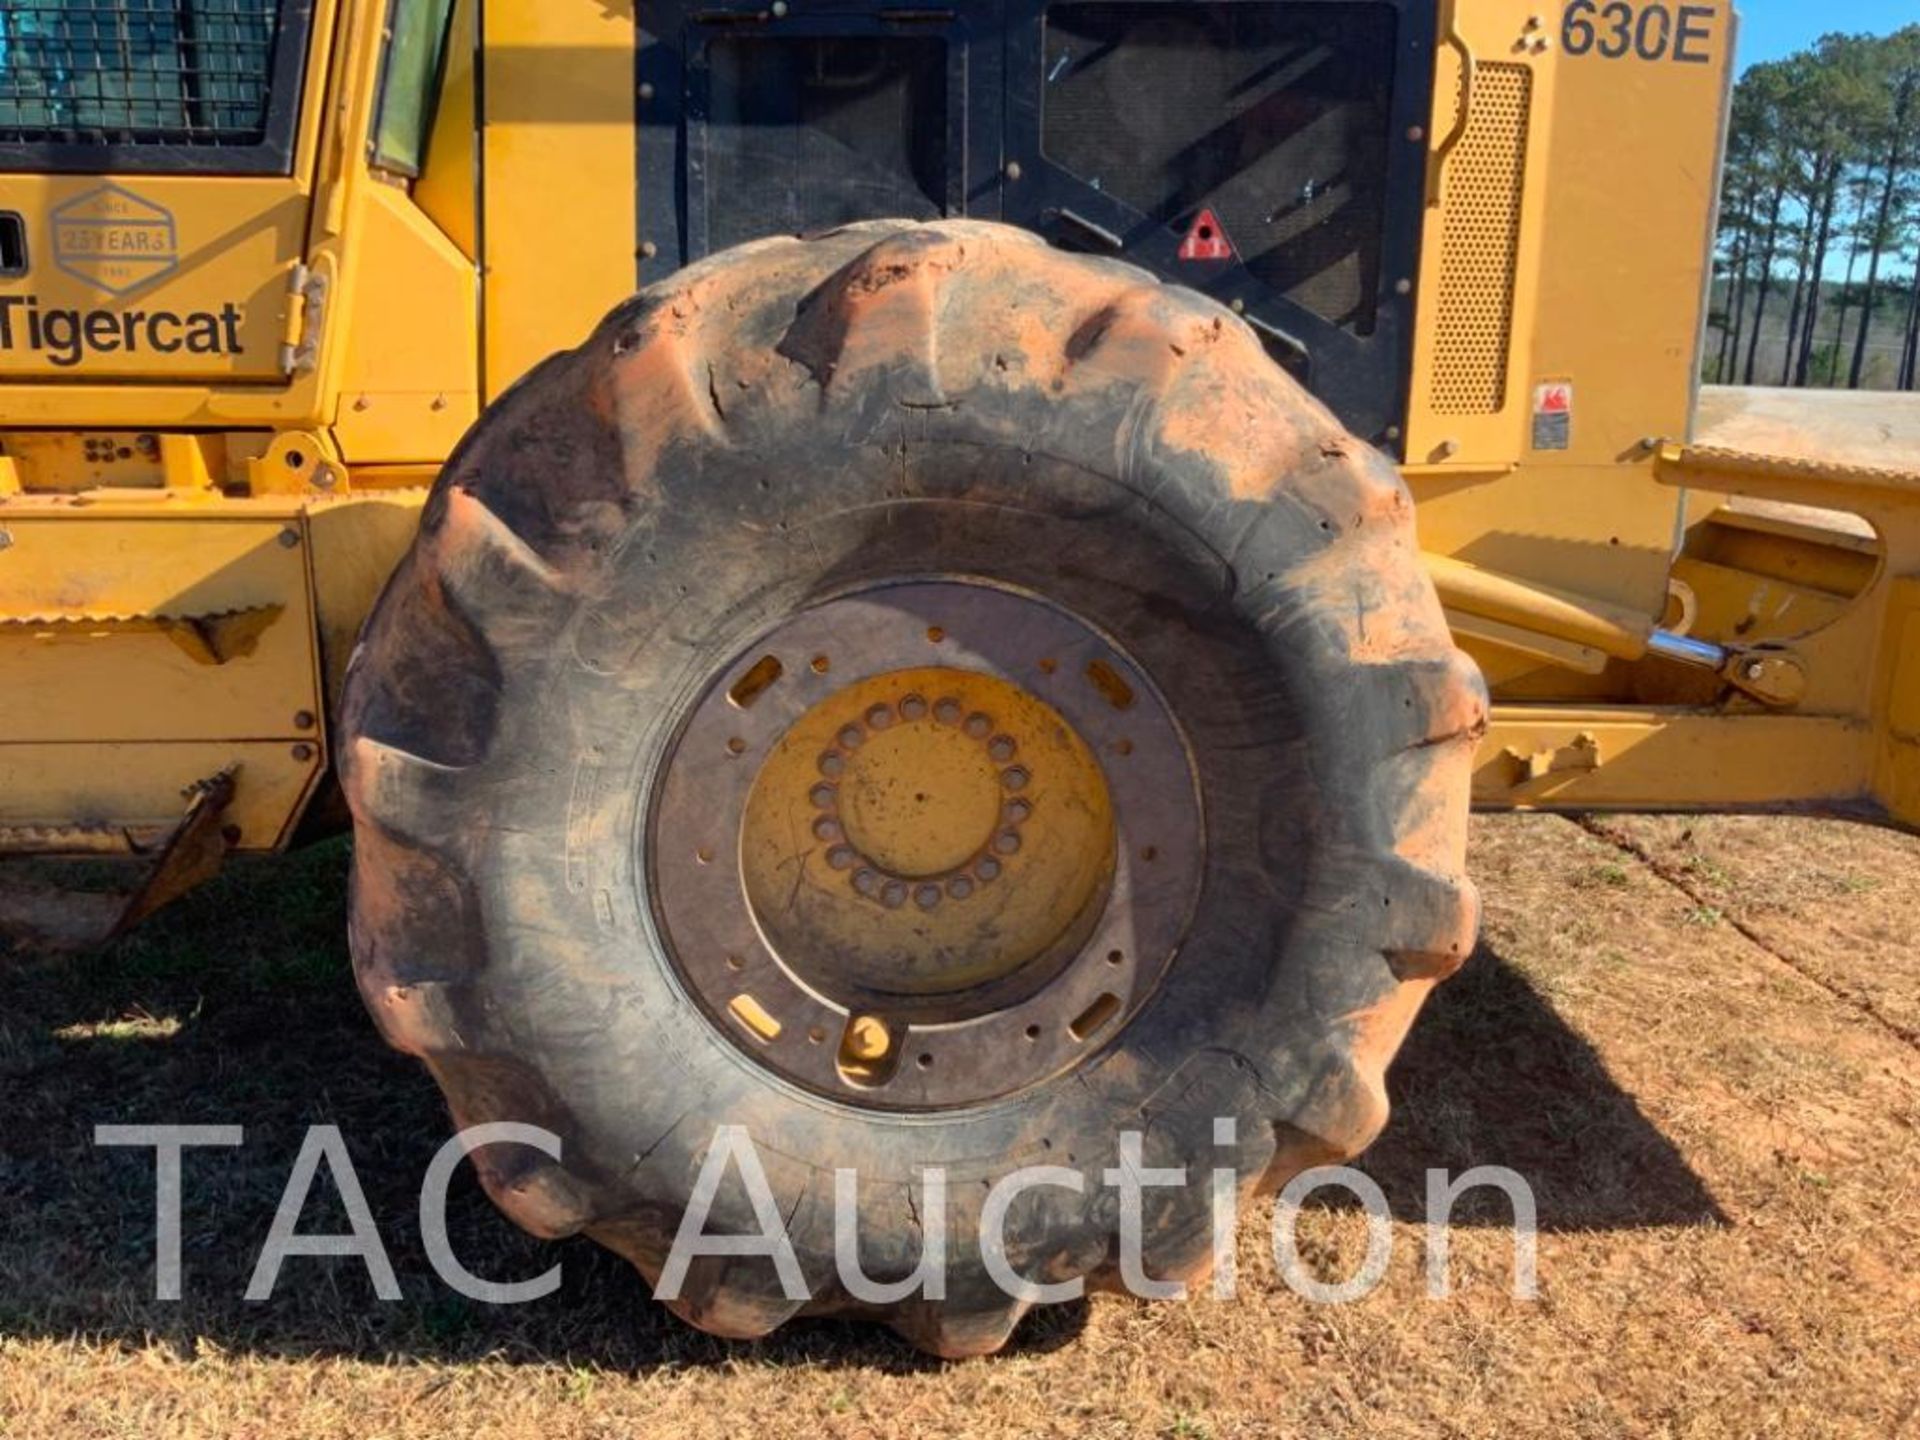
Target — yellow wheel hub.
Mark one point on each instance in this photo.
(927, 832)
(924, 844)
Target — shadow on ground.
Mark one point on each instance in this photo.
(1491, 1075)
(236, 1006)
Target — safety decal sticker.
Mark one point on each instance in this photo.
(1553, 415)
(1206, 239)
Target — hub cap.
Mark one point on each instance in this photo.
(925, 845)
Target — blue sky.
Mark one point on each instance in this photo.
(1770, 29)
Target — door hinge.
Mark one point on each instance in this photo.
(306, 312)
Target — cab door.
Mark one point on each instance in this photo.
(154, 187)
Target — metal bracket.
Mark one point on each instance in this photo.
(1773, 677)
(47, 915)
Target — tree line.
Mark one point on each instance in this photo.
(1817, 269)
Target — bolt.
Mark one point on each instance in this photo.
(303, 719)
(289, 538)
(648, 249)
(1012, 171)
(868, 1037)
(1403, 287)
(5, 539)
(1756, 670)
(1416, 133)
(303, 753)
(1239, 306)
(360, 402)
(779, 8)
(439, 403)
(646, 89)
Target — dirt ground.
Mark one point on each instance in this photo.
(1696, 1038)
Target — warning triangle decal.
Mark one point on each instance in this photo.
(1206, 239)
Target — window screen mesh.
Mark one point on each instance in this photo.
(1274, 116)
(136, 72)
(807, 133)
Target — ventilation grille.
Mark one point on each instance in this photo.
(1480, 245)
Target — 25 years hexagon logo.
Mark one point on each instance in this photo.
(114, 240)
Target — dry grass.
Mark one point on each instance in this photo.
(1693, 1037)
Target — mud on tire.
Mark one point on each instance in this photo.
(794, 419)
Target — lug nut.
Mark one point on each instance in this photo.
(867, 1037)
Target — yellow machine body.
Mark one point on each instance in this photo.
(222, 399)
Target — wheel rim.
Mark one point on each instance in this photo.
(925, 845)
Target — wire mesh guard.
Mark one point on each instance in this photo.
(136, 72)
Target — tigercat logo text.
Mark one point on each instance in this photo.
(67, 336)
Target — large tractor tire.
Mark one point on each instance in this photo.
(926, 700)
